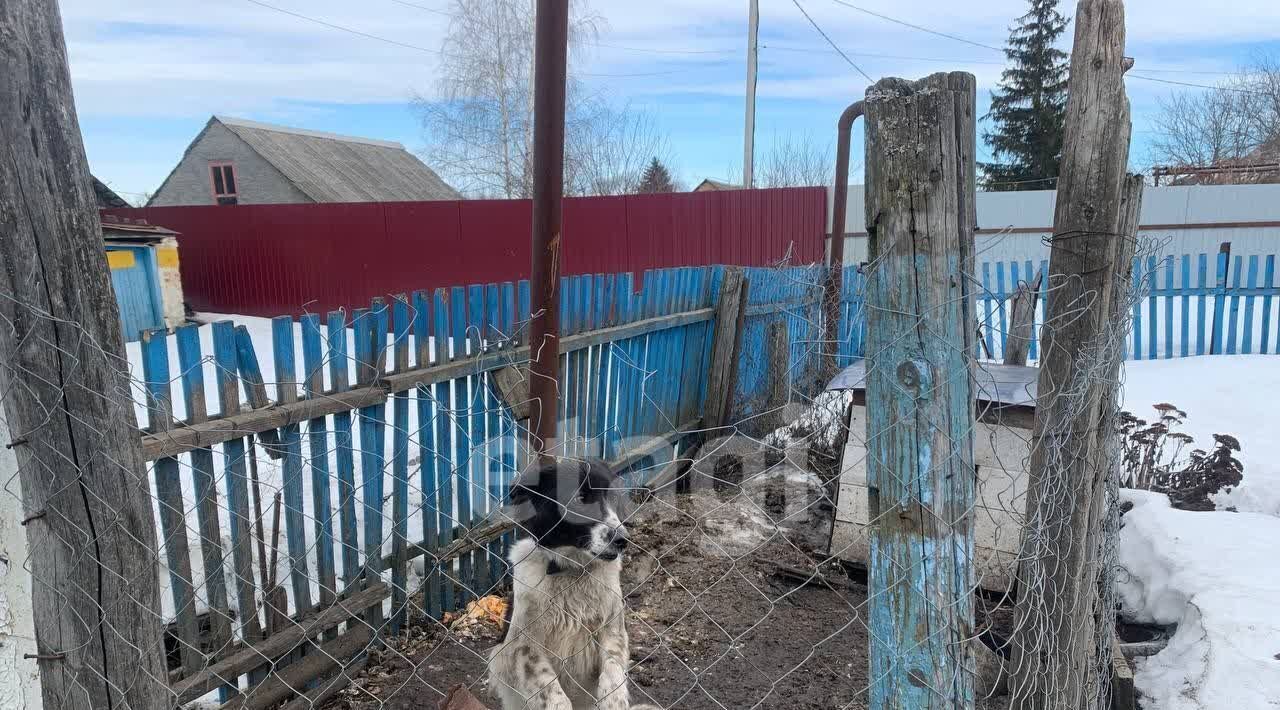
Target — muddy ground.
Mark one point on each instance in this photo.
(718, 617)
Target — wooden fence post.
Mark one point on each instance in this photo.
(731, 310)
(1022, 318)
(920, 410)
(71, 421)
(1055, 651)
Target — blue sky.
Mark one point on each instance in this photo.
(149, 73)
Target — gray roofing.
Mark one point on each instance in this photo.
(331, 168)
(1164, 205)
(105, 196)
(997, 383)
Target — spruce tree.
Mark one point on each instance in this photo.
(1031, 104)
(656, 178)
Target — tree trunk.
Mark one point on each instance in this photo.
(1054, 646)
(66, 394)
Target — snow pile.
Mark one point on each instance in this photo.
(1216, 576)
(1222, 394)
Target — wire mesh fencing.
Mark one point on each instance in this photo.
(349, 514)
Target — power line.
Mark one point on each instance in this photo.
(904, 23)
(423, 7)
(664, 51)
(1198, 86)
(830, 42)
(870, 55)
(342, 28)
(366, 35)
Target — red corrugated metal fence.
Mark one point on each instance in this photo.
(289, 259)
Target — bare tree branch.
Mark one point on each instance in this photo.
(479, 125)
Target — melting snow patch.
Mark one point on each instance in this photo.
(1214, 575)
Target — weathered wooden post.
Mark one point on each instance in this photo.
(71, 425)
(920, 411)
(1022, 317)
(1057, 638)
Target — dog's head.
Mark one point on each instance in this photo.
(573, 508)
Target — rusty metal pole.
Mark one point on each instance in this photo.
(551, 39)
(835, 274)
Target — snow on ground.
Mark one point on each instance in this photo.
(1217, 577)
(1222, 394)
(270, 471)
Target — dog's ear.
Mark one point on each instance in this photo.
(535, 483)
(599, 466)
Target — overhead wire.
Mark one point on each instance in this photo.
(830, 41)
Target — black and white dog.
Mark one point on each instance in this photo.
(566, 647)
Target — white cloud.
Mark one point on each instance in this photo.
(187, 59)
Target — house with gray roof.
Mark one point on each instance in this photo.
(235, 161)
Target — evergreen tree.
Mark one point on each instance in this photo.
(1031, 104)
(656, 178)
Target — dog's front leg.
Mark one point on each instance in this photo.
(611, 691)
(525, 680)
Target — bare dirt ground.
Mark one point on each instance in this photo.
(715, 623)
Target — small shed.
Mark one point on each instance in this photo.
(1006, 397)
(143, 259)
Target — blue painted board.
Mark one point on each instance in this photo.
(173, 519)
(318, 459)
(291, 443)
(344, 449)
(400, 470)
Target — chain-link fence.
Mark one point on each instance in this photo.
(336, 522)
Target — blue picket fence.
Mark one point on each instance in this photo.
(392, 439)
(1204, 304)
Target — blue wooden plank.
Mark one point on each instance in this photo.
(445, 413)
(173, 518)
(582, 323)
(1167, 295)
(648, 386)
(476, 405)
(1152, 272)
(1268, 284)
(510, 428)
(492, 336)
(400, 470)
(462, 438)
(428, 467)
(626, 353)
(1202, 284)
(672, 364)
(569, 314)
(344, 448)
(596, 385)
(291, 443)
(226, 360)
(318, 459)
(191, 363)
(1219, 303)
(1185, 321)
(1138, 276)
(372, 424)
(1233, 312)
(1251, 284)
(985, 309)
(1002, 307)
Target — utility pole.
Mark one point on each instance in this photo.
(749, 135)
(551, 42)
